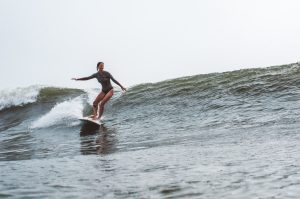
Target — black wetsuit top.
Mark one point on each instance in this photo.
(104, 79)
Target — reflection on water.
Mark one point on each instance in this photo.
(97, 140)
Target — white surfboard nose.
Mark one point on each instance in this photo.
(89, 119)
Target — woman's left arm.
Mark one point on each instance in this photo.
(116, 82)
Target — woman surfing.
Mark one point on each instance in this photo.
(107, 92)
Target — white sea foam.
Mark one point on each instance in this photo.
(65, 113)
(19, 96)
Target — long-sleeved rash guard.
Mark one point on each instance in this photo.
(104, 79)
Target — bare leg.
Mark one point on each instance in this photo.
(96, 103)
(104, 100)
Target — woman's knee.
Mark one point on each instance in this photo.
(102, 105)
(95, 104)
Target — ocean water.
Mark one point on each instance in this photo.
(220, 135)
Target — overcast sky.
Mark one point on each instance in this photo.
(49, 41)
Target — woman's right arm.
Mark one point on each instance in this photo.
(84, 78)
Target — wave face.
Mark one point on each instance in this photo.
(216, 97)
(243, 83)
(186, 136)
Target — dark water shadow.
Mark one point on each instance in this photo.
(89, 129)
(96, 139)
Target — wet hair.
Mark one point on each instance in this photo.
(98, 64)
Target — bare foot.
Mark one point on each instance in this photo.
(93, 117)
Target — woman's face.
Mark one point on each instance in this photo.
(101, 66)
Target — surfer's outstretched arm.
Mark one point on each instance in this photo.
(84, 78)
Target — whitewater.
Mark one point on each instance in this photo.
(220, 135)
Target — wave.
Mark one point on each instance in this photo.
(200, 94)
(246, 82)
(240, 83)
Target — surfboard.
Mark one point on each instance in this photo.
(90, 120)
